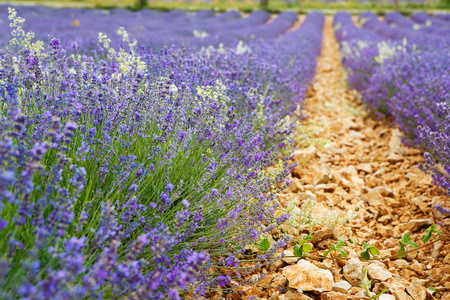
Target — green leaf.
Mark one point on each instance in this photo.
(365, 255)
(378, 295)
(326, 252)
(405, 239)
(298, 251)
(264, 245)
(365, 246)
(432, 227)
(431, 289)
(308, 238)
(413, 244)
(401, 251)
(339, 244)
(307, 248)
(343, 253)
(426, 237)
(429, 232)
(374, 250)
(365, 282)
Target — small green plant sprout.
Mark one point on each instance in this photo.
(303, 247)
(429, 232)
(365, 282)
(431, 289)
(377, 296)
(336, 248)
(366, 285)
(369, 251)
(405, 241)
(263, 245)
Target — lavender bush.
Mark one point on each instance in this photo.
(438, 148)
(137, 173)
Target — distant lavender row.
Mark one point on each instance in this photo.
(134, 173)
(403, 73)
(149, 28)
(431, 25)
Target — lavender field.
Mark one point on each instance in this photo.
(143, 154)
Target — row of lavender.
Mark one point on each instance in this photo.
(403, 71)
(150, 28)
(139, 173)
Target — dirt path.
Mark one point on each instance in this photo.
(356, 183)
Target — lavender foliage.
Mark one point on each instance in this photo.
(132, 171)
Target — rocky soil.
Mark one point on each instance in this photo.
(356, 182)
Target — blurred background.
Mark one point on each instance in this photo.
(274, 6)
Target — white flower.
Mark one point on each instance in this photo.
(200, 34)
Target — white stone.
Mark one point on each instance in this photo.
(353, 271)
(289, 257)
(386, 297)
(341, 287)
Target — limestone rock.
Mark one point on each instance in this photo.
(296, 186)
(436, 249)
(395, 143)
(294, 295)
(275, 295)
(361, 294)
(336, 176)
(279, 281)
(353, 271)
(322, 175)
(356, 135)
(298, 155)
(251, 290)
(401, 295)
(394, 158)
(391, 202)
(400, 263)
(365, 167)
(386, 297)
(306, 276)
(329, 188)
(308, 196)
(339, 296)
(276, 265)
(357, 180)
(349, 171)
(377, 271)
(379, 172)
(418, 292)
(384, 191)
(419, 200)
(289, 257)
(264, 282)
(415, 225)
(374, 198)
(322, 234)
(341, 287)
(446, 297)
(397, 288)
(354, 290)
